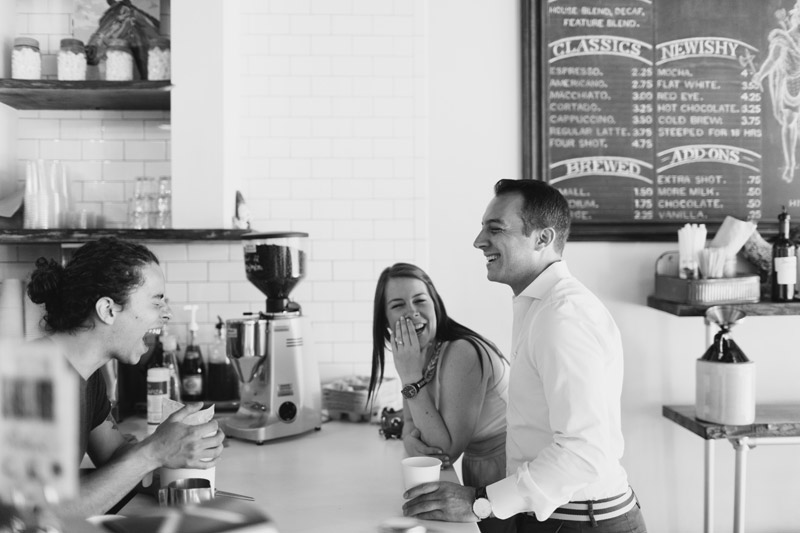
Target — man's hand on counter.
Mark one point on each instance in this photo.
(440, 500)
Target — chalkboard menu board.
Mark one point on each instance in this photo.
(648, 114)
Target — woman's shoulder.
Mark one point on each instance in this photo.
(462, 344)
(468, 349)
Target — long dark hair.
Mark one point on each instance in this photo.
(447, 329)
(107, 267)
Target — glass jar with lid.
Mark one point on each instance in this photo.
(26, 60)
(119, 61)
(72, 60)
(158, 58)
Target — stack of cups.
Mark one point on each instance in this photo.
(163, 219)
(47, 201)
(11, 309)
(142, 203)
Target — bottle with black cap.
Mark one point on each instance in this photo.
(784, 262)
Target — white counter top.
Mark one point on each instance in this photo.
(345, 477)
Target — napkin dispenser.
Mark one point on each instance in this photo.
(725, 377)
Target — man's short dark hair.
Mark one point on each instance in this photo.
(543, 207)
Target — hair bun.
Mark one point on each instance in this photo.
(45, 280)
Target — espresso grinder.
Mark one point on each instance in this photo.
(278, 374)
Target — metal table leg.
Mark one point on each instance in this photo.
(741, 446)
(708, 496)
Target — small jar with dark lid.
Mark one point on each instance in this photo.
(72, 60)
(26, 60)
(158, 58)
(119, 61)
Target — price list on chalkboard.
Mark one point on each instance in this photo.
(672, 111)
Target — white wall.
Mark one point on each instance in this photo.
(334, 143)
(413, 186)
(474, 129)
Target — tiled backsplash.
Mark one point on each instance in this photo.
(103, 150)
(333, 143)
(211, 275)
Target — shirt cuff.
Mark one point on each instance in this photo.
(505, 499)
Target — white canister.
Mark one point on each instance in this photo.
(26, 59)
(71, 60)
(725, 393)
(119, 61)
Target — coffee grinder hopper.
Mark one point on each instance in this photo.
(275, 263)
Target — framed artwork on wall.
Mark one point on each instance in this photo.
(650, 114)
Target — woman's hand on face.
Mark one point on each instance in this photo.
(405, 347)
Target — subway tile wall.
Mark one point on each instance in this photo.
(334, 139)
(333, 136)
(103, 151)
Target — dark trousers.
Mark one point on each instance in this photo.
(630, 522)
(495, 525)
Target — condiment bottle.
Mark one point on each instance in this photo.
(26, 60)
(72, 60)
(170, 356)
(157, 390)
(223, 384)
(158, 58)
(784, 262)
(119, 61)
(192, 371)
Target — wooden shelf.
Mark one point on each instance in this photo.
(762, 308)
(772, 420)
(65, 236)
(140, 95)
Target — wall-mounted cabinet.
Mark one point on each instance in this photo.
(137, 95)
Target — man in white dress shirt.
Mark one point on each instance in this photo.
(564, 441)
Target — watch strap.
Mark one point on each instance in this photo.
(427, 376)
(482, 507)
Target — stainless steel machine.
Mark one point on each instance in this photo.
(278, 373)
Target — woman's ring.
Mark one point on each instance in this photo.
(398, 342)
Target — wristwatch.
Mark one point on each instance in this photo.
(482, 507)
(412, 389)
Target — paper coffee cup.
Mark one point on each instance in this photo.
(419, 470)
(168, 475)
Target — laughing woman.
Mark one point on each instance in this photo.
(455, 381)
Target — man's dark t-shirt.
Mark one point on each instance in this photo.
(94, 407)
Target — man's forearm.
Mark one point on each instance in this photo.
(101, 488)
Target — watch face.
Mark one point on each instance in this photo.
(482, 508)
(409, 391)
